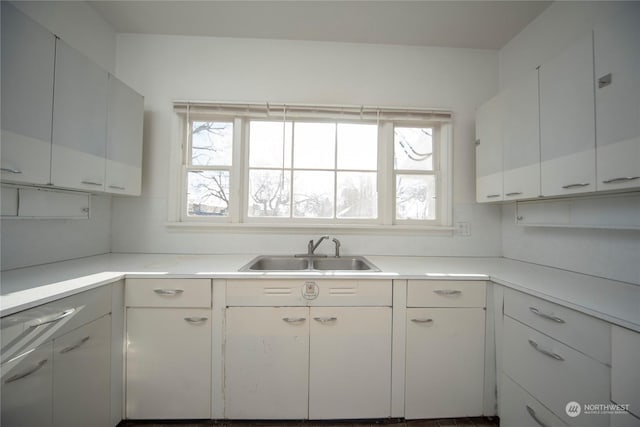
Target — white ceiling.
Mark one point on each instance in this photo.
(464, 24)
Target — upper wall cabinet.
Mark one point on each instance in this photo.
(124, 137)
(489, 150)
(521, 140)
(28, 55)
(567, 123)
(617, 89)
(79, 121)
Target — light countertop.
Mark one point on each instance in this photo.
(615, 302)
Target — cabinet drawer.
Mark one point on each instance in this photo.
(554, 373)
(519, 409)
(326, 293)
(168, 293)
(580, 331)
(429, 293)
(31, 328)
(625, 368)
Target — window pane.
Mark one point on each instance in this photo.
(269, 194)
(313, 194)
(413, 148)
(211, 143)
(208, 193)
(267, 147)
(357, 195)
(357, 146)
(314, 145)
(415, 197)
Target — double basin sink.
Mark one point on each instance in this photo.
(309, 263)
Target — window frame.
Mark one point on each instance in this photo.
(238, 217)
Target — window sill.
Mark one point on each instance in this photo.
(369, 229)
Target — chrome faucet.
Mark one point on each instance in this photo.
(337, 243)
(312, 247)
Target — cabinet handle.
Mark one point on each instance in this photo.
(551, 354)
(168, 292)
(492, 196)
(117, 187)
(422, 320)
(535, 417)
(325, 319)
(519, 217)
(196, 320)
(576, 185)
(447, 292)
(544, 315)
(604, 81)
(515, 193)
(620, 179)
(10, 170)
(26, 373)
(294, 319)
(477, 142)
(51, 318)
(97, 184)
(74, 346)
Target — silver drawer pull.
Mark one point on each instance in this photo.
(535, 417)
(422, 320)
(117, 187)
(447, 292)
(576, 185)
(11, 170)
(325, 319)
(546, 315)
(492, 196)
(294, 319)
(546, 352)
(26, 373)
(97, 184)
(76, 345)
(196, 320)
(51, 318)
(620, 179)
(168, 292)
(515, 193)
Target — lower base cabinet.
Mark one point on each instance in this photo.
(519, 408)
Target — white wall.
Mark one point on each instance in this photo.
(28, 242)
(606, 253)
(167, 68)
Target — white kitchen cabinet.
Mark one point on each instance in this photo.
(625, 368)
(350, 362)
(267, 362)
(567, 123)
(79, 121)
(617, 96)
(168, 348)
(489, 165)
(124, 139)
(445, 327)
(521, 139)
(519, 409)
(81, 375)
(28, 56)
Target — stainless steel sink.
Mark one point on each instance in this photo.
(314, 263)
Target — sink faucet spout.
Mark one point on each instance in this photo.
(312, 247)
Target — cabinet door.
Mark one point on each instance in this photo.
(489, 150)
(521, 144)
(567, 124)
(28, 53)
(168, 363)
(445, 362)
(617, 65)
(124, 139)
(350, 362)
(27, 389)
(625, 368)
(79, 121)
(81, 375)
(266, 362)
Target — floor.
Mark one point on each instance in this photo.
(465, 422)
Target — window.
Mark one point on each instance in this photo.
(314, 166)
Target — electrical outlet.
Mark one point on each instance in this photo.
(463, 228)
